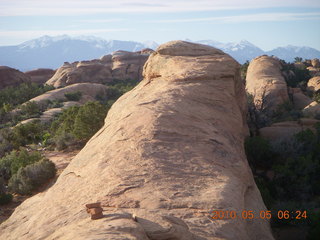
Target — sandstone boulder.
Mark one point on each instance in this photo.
(286, 130)
(120, 65)
(12, 77)
(170, 152)
(266, 83)
(41, 75)
(299, 99)
(315, 63)
(89, 92)
(314, 84)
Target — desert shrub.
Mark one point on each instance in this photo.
(30, 110)
(314, 231)
(5, 198)
(89, 120)
(15, 160)
(73, 96)
(27, 133)
(22, 93)
(63, 140)
(5, 141)
(259, 152)
(257, 116)
(299, 78)
(243, 69)
(32, 176)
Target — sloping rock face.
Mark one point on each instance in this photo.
(41, 75)
(121, 65)
(11, 77)
(170, 152)
(89, 92)
(266, 83)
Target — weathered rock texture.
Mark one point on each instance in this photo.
(314, 84)
(11, 77)
(171, 151)
(121, 65)
(89, 92)
(266, 83)
(40, 75)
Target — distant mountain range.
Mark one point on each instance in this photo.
(52, 52)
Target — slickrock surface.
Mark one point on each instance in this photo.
(40, 75)
(89, 92)
(170, 152)
(11, 77)
(265, 81)
(121, 65)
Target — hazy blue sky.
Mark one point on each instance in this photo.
(267, 24)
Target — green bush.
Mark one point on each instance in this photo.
(73, 96)
(29, 178)
(5, 198)
(12, 162)
(27, 133)
(259, 152)
(30, 110)
(89, 120)
(22, 93)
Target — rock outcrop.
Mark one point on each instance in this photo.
(89, 92)
(121, 65)
(314, 84)
(170, 152)
(11, 77)
(287, 129)
(299, 99)
(266, 83)
(315, 63)
(41, 75)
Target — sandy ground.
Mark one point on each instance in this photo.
(61, 160)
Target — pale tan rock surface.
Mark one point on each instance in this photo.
(40, 75)
(265, 81)
(170, 152)
(120, 65)
(314, 84)
(286, 130)
(12, 77)
(89, 92)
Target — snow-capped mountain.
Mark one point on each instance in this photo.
(52, 52)
(290, 52)
(241, 51)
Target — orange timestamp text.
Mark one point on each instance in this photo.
(265, 214)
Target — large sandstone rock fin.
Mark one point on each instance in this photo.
(170, 152)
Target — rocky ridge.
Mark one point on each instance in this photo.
(12, 77)
(120, 65)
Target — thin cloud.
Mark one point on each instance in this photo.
(36, 33)
(261, 17)
(83, 7)
(101, 20)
